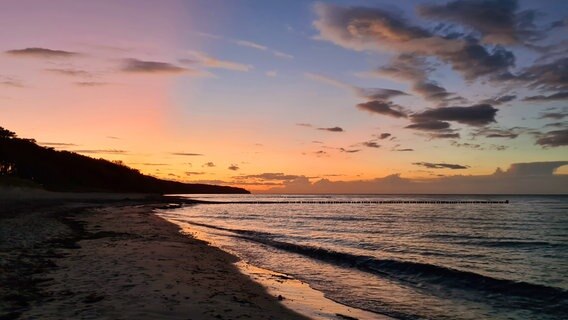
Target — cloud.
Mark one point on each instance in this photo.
(349, 150)
(248, 44)
(497, 133)
(554, 115)
(11, 82)
(476, 115)
(498, 21)
(90, 84)
(57, 144)
(270, 176)
(365, 93)
(499, 100)
(108, 151)
(513, 181)
(41, 53)
(432, 91)
(371, 144)
(271, 73)
(443, 135)
(429, 125)
(251, 44)
(307, 125)
(553, 97)
(332, 129)
(386, 108)
(556, 138)
(233, 167)
(186, 154)
(210, 62)
(193, 173)
(546, 76)
(384, 135)
(209, 164)
(139, 66)
(430, 165)
(70, 72)
(403, 149)
(379, 93)
(535, 168)
(361, 28)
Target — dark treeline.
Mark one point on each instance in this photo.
(68, 171)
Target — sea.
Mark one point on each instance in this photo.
(435, 260)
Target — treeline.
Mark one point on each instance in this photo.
(72, 172)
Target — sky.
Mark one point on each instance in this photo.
(364, 96)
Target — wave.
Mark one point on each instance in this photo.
(415, 273)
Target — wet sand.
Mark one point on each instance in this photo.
(62, 259)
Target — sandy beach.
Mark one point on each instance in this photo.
(62, 259)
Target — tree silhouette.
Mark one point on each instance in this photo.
(68, 171)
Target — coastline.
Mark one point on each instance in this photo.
(97, 257)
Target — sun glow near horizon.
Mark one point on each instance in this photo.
(289, 97)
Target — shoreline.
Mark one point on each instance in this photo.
(114, 258)
(296, 294)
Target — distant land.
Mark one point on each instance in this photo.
(24, 163)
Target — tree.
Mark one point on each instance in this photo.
(6, 134)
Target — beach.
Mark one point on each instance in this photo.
(114, 259)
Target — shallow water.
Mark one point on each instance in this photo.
(408, 261)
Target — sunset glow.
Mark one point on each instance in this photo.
(279, 96)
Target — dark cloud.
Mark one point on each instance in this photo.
(332, 129)
(534, 168)
(186, 154)
(475, 61)
(194, 173)
(498, 21)
(430, 165)
(499, 100)
(208, 164)
(361, 28)
(57, 144)
(233, 167)
(349, 150)
(108, 151)
(278, 176)
(384, 135)
(383, 107)
(554, 115)
(432, 91)
(407, 67)
(553, 97)
(371, 144)
(476, 115)
(429, 125)
(466, 145)
(497, 133)
(70, 72)
(443, 135)
(139, 66)
(512, 181)
(552, 76)
(41, 53)
(555, 138)
(379, 93)
(557, 125)
(403, 150)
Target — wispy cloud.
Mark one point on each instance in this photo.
(41, 53)
(208, 61)
(151, 67)
(248, 44)
(186, 154)
(430, 165)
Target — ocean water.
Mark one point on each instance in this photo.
(407, 261)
